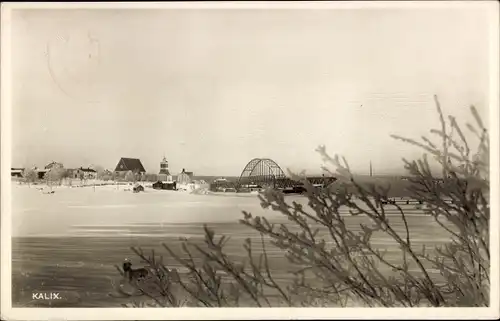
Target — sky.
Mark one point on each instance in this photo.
(213, 89)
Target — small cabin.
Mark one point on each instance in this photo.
(138, 188)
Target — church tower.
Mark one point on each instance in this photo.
(164, 167)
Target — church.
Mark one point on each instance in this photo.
(130, 164)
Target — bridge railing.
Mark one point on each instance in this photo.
(282, 182)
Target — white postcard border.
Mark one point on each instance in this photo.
(10, 313)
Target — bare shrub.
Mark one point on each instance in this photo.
(30, 176)
(335, 264)
(54, 175)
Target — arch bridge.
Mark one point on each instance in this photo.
(264, 172)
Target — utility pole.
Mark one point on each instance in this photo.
(371, 169)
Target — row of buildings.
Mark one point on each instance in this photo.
(125, 165)
(135, 166)
(79, 173)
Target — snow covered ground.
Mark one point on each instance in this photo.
(36, 213)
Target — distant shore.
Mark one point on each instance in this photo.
(398, 188)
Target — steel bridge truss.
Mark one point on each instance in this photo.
(263, 172)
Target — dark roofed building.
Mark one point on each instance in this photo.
(130, 164)
(40, 172)
(16, 172)
(165, 185)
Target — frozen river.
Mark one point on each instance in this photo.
(70, 241)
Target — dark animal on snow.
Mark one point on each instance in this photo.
(134, 274)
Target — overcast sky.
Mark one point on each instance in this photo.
(213, 89)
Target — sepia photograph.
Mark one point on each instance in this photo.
(330, 156)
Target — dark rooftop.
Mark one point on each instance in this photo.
(130, 164)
